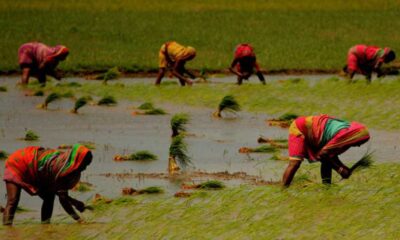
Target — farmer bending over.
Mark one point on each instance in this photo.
(46, 173)
(244, 63)
(173, 56)
(322, 138)
(365, 59)
(38, 60)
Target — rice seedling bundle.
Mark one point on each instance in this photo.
(107, 101)
(228, 103)
(31, 136)
(151, 190)
(178, 150)
(178, 122)
(80, 102)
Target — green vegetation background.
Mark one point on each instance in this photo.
(287, 34)
(362, 207)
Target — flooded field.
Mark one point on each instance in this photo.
(213, 144)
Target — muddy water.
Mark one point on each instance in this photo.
(213, 144)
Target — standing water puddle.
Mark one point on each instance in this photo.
(212, 143)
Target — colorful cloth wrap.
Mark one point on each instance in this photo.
(317, 137)
(171, 52)
(246, 58)
(35, 54)
(364, 59)
(35, 167)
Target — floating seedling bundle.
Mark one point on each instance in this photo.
(38, 93)
(148, 190)
(148, 108)
(83, 187)
(50, 98)
(107, 101)
(278, 143)
(211, 184)
(3, 155)
(69, 84)
(138, 156)
(228, 103)
(283, 121)
(155, 111)
(178, 152)
(112, 73)
(260, 149)
(31, 136)
(151, 190)
(80, 102)
(3, 89)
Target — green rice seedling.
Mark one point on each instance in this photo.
(69, 84)
(283, 121)
(151, 190)
(120, 85)
(155, 111)
(146, 106)
(142, 156)
(278, 143)
(295, 80)
(365, 162)
(88, 98)
(112, 73)
(261, 149)
(38, 93)
(107, 101)
(22, 209)
(265, 149)
(3, 89)
(31, 136)
(228, 103)
(80, 102)
(124, 201)
(288, 117)
(178, 122)
(278, 156)
(262, 139)
(83, 187)
(212, 184)
(50, 98)
(68, 94)
(178, 151)
(3, 155)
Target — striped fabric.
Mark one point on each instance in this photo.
(34, 167)
(363, 58)
(306, 134)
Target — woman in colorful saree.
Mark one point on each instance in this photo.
(365, 59)
(173, 56)
(47, 173)
(244, 63)
(322, 138)
(38, 60)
